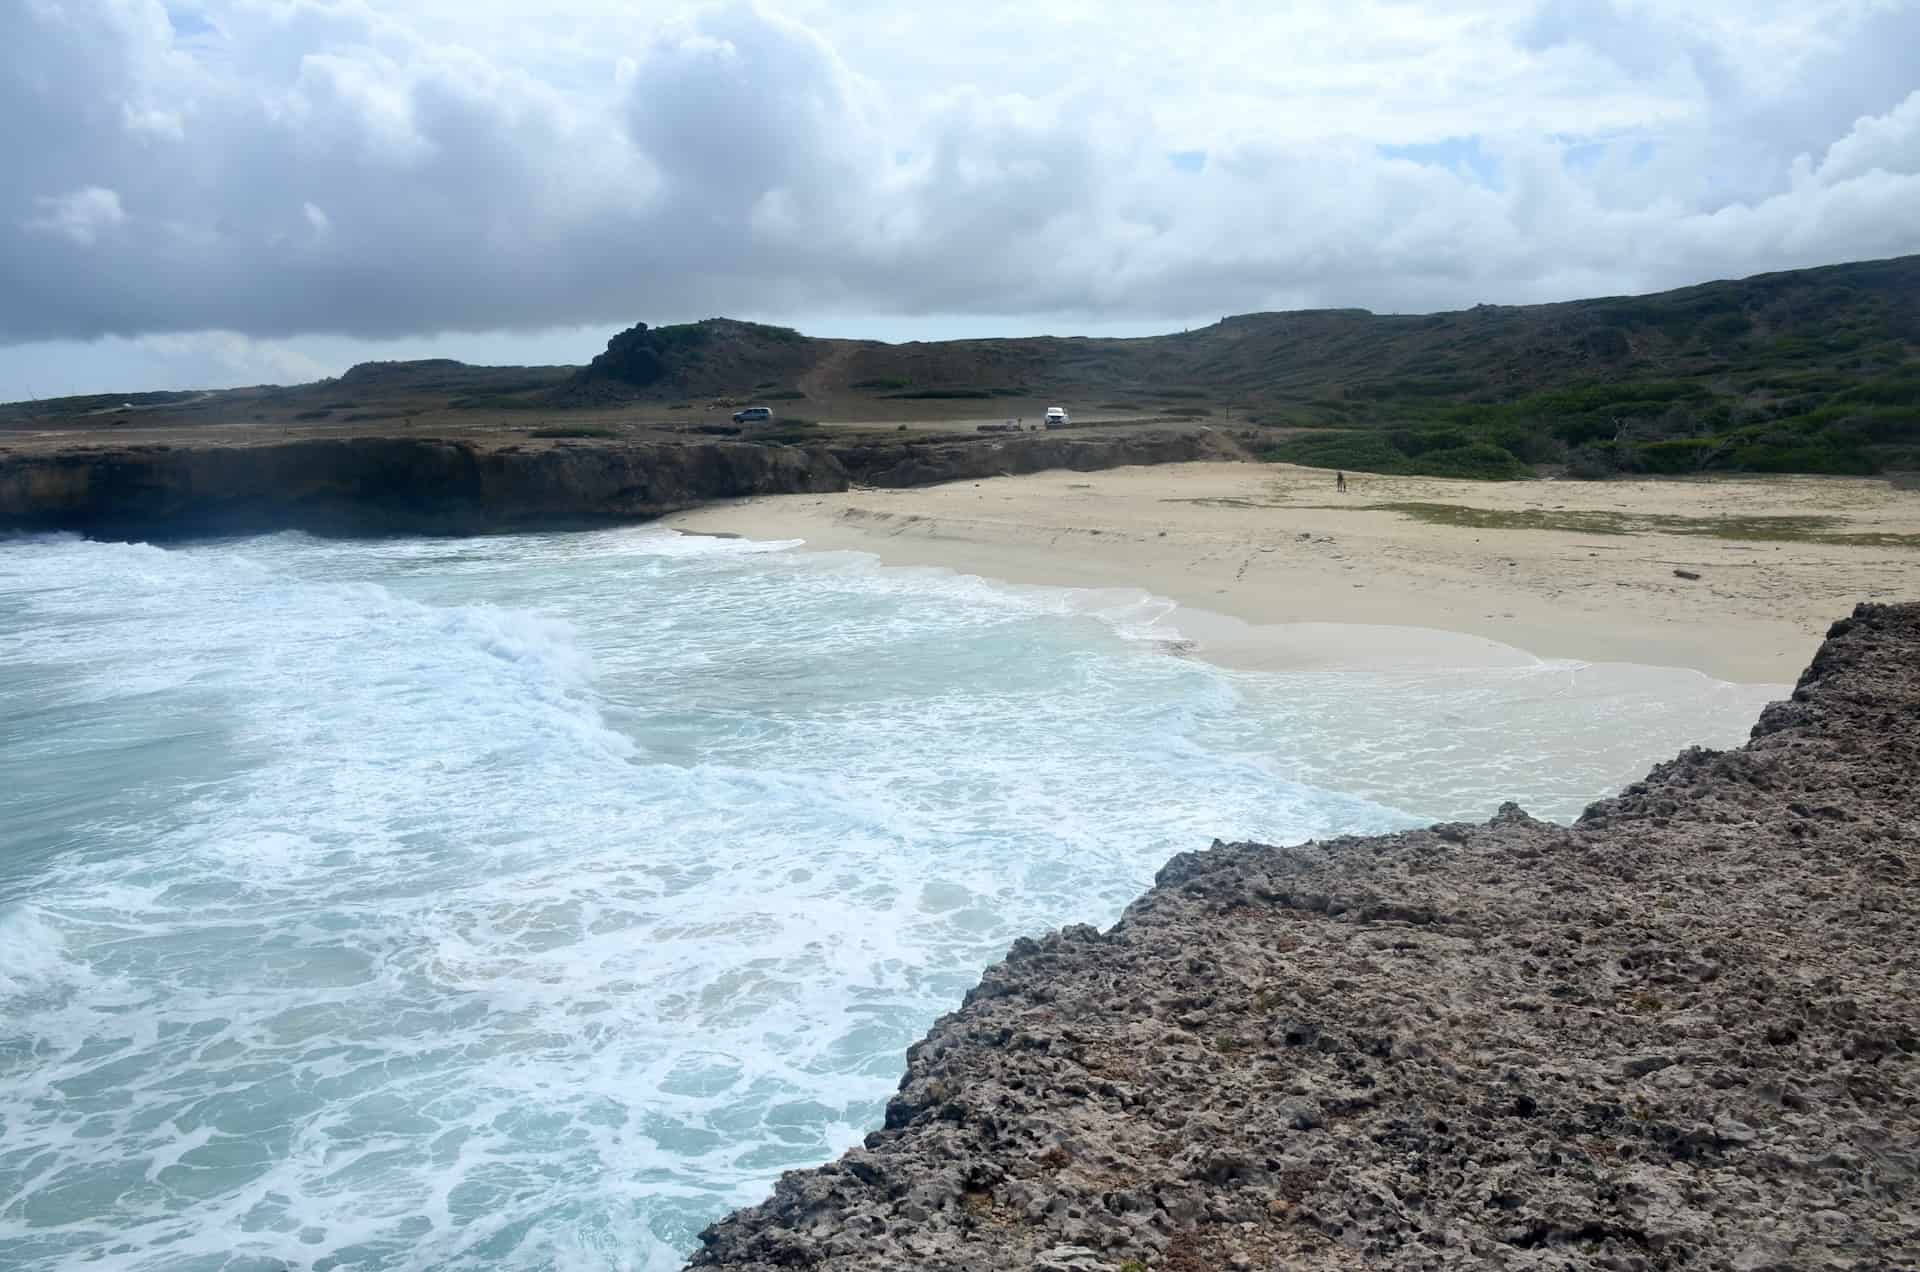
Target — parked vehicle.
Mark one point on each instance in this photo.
(754, 415)
(1057, 417)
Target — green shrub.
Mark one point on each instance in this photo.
(1408, 442)
(1481, 461)
(943, 394)
(1775, 458)
(1894, 390)
(1590, 463)
(1371, 452)
(1724, 327)
(1680, 455)
(1364, 452)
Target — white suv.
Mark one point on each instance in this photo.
(754, 415)
(1057, 417)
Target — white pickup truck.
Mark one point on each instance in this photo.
(1057, 417)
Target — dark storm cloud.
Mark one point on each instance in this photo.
(274, 167)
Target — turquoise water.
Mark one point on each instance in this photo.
(528, 902)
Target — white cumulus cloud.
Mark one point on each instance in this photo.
(293, 168)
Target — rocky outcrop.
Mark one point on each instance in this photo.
(410, 485)
(1681, 1033)
(716, 355)
(929, 463)
(374, 485)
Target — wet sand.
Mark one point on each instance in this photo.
(1258, 554)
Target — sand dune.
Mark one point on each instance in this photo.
(1558, 569)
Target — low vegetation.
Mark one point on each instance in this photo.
(573, 430)
(1759, 528)
(1814, 371)
(942, 394)
(786, 432)
(1808, 371)
(1402, 452)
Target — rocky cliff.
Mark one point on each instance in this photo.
(373, 485)
(1681, 1033)
(387, 485)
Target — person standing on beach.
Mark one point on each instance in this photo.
(1340, 482)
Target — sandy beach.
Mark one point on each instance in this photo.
(1262, 557)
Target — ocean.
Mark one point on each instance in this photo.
(531, 901)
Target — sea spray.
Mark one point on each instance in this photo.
(530, 901)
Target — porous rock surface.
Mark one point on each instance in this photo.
(432, 485)
(386, 485)
(1681, 1033)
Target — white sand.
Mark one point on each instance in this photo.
(1260, 553)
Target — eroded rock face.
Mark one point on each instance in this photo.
(1681, 1033)
(416, 485)
(375, 485)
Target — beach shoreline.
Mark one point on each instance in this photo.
(1271, 568)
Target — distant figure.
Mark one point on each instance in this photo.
(1340, 482)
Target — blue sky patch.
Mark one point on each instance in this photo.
(187, 23)
(1459, 155)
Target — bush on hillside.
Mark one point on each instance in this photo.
(1378, 453)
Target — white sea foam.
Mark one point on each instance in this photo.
(528, 902)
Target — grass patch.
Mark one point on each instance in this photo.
(783, 395)
(943, 395)
(494, 402)
(572, 430)
(788, 433)
(1764, 529)
(888, 383)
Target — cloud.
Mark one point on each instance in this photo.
(1877, 143)
(81, 216)
(283, 167)
(237, 356)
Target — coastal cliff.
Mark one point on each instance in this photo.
(375, 485)
(428, 485)
(1680, 1033)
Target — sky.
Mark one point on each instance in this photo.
(201, 193)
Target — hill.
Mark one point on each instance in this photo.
(1805, 371)
(1813, 370)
